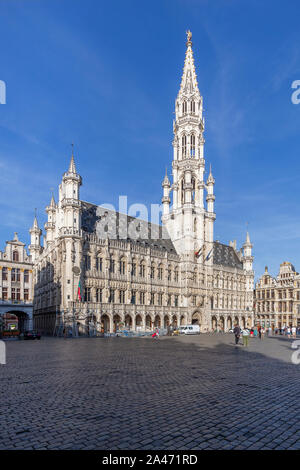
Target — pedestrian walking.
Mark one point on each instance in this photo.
(237, 333)
(259, 332)
(294, 332)
(270, 332)
(245, 337)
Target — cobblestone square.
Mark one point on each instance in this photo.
(198, 392)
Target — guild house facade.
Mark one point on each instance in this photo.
(16, 289)
(101, 269)
(277, 299)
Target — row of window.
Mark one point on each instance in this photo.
(15, 274)
(135, 268)
(136, 297)
(282, 294)
(15, 294)
(270, 307)
(186, 107)
(192, 145)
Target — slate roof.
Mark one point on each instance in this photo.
(106, 223)
(226, 256)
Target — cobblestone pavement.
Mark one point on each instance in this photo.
(197, 392)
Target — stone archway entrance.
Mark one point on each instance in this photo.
(166, 321)
(196, 318)
(22, 323)
(229, 323)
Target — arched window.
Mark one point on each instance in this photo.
(183, 141)
(184, 107)
(193, 145)
(193, 107)
(15, 255)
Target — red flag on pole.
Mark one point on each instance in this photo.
(79, 292)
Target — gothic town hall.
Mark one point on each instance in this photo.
(104, 270)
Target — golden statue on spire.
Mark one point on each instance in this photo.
(188, 37)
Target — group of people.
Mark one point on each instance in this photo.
(260, 331)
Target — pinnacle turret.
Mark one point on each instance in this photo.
(35, 225)
(210, 179)
(72, 167)
(166, 181)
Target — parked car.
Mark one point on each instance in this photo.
(32, 335)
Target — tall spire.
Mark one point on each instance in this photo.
(72, 167)
(35, 225)
(52, 202)
(189, 84)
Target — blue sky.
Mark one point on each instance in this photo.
(105, 75)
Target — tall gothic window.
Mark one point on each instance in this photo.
(112, 266)
(193, 190)
(193, 145)
(122, 267)
(99, 264)
(87, 262)
(183, 141)
(184, 107)
(193, 107)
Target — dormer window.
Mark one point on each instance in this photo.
(15, 255)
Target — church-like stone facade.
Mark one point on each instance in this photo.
(101, 269)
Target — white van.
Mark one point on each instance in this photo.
(189, 330)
